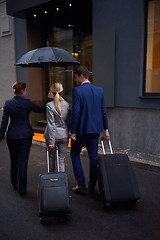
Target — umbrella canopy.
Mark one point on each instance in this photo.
(40, 57)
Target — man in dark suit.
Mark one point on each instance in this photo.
(89, 119)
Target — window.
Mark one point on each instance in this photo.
(80, 45)
(152, 84)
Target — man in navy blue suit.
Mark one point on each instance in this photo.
(89, 119)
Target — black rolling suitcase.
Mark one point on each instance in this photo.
(116, 179)
(53, 193)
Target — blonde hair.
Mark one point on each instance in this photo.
(57, 88)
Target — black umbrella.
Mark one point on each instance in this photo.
(47, 56)
(40, 57)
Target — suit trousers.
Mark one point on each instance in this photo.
(19, 150)
(91, 143)
(62, 145)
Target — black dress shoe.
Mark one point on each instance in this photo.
(90, 189)
(79, 188)
(15, 186)
(22, 194)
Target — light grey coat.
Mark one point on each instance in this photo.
(57, 127)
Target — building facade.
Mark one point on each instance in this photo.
(118, 40)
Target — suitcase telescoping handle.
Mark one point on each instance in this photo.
(110, 145)
(57, 158)
(56, 148)
(47, 153)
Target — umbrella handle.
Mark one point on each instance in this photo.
(50, 84)
(52, 75)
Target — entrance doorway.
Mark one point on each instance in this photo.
(62, 24)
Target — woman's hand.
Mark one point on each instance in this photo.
(50, 94)
(73, 137)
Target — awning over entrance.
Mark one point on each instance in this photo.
(18, 7)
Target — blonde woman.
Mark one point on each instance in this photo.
(56, 132)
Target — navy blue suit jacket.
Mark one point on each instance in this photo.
(88, 110)
(18, 110)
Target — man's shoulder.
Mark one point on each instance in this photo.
(94, 87)
(76, 89)
(97, 87)
(82, 86)
(87, 86)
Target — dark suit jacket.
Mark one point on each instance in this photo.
(88, 110)
(18, 110)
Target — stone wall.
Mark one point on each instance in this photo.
(7, 56)
(135, 130)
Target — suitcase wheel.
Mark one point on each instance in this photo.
(42, 218)
(69, 216)
(105, 205)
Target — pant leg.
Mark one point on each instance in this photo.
(51, 158)
(12, 146)
(92, 148)
(24, 146)
(19, 153)
(76, 147)
(62, 149)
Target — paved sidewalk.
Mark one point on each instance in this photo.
(20, 219)
(148, 162)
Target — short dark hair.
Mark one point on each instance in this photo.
(18, 87)
(82, 70)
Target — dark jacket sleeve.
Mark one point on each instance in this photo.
(38, 109)
(75, 110)
(4, 123)
(104, 114)
(68, 119)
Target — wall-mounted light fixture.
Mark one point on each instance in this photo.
(75, 55)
